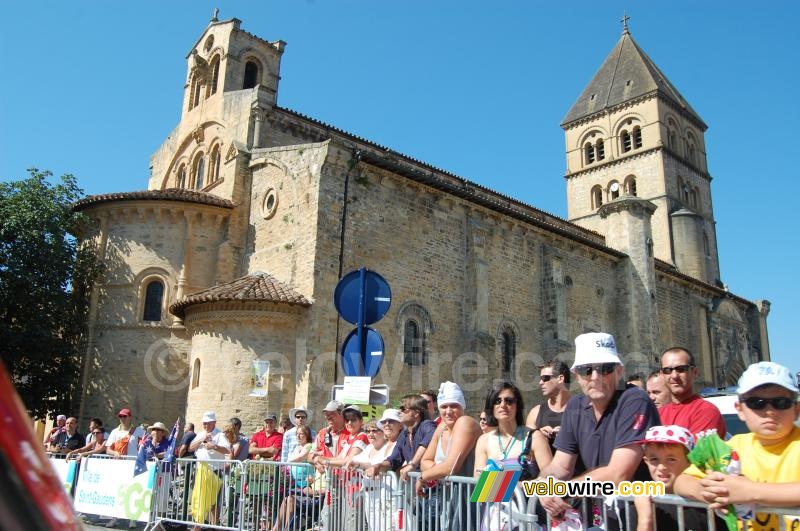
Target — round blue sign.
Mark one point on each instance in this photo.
(376, 292)
(370, 364)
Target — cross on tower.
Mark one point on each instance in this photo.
(625, 19)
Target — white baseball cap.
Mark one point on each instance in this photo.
(765, 373)
(595, 347)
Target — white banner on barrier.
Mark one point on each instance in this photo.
(107, 487)
(65, 470)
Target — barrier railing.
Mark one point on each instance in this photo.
(261, 495)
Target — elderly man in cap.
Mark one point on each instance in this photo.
(298, 416)
(687, 409)
(267, 443)
(60, 426)
(328, 437)
(211, 438)
(603, 426)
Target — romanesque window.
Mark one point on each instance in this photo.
(250, 75)
(509, 352)
(630, 185)
(413, 347)
(672, 135)
(199, 172)
(597, 197)
(625, 138)
(197, 87)
(414, 327)
(180, 180)
(613, 190)
(588, 153)
(153, 298)
(636, 135)
(212, 87)
(691, 149)
(600, 149)
(213, 168)
(196, 374)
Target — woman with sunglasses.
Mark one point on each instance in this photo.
(501, 448)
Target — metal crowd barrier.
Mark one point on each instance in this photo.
(266, 495)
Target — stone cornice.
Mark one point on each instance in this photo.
(634, 155)
(633, 102)
(638, 207)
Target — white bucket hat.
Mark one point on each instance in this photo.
(388, 414)
(209, 416)
(158, 426)
(595, 347)
(295, 410)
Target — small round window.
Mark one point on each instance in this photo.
(270, 204)
(209, 43)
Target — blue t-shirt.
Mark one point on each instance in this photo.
(624, 422)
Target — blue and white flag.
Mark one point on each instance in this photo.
(173, 442)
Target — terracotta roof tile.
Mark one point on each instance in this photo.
(258, 287)
(168, 194)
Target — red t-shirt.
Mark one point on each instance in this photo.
(695, 415)
(262, 440)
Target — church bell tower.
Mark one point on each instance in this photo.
(631, 133)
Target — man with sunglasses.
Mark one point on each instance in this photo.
(687, 409)
(769, 454)
(603, 426)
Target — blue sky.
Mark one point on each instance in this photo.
(476, 88)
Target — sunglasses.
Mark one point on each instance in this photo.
(352, 419)
(758, 403)
(508, 400)
(300, 417)
(546, 377)
(483, 420)
(605, 369)
(680, 369)
(403, 409)
(373, 430)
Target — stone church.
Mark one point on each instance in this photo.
(254, 211)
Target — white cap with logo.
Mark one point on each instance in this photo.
(765, 373)
(594, 348)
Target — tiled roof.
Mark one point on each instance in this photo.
(626, 74)
(258, 287)
(168, 194)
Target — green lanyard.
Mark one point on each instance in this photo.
(510, 444)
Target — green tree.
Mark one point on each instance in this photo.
(45, 276)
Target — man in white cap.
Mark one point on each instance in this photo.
(328, 437)
(298, 416)
(210, 437)
(687, 409)
(603, 426)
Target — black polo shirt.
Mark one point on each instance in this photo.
(66, 442)
(626, 420)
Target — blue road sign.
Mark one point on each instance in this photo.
(353, 362)
(362, 292)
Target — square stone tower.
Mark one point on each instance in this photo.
(632, 133)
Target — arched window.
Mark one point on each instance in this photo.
(588, 153)
(691, 149)
(212, 87)
(413, 348)
(630, 185)
(250, 75)
(600, 149)
(196, 373)
(199, 171)
(613, 190)
(153, 298)
(196, 90)
(706, 246)
(625, 138)
(637, 137)
(509, 352)
(597, 197)
(180, 180)
(213, 168)
(672, 135)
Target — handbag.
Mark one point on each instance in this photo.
(530, 470)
